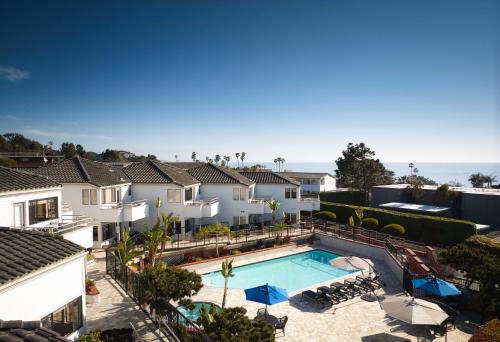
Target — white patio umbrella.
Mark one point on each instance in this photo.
(352, 263)
(414, 311)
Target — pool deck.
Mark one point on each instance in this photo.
(353, 320)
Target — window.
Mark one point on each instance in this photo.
(290, 193)
(188, 194)
(239, 194)
(65, 320)
(43, 210)
(95, 233)
(108, 231)
(322, 181)
(109, 195)
(174, 195)
(89, 196)
(130, 190)
(237, 220)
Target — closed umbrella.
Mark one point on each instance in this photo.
(414, 311)
(436, 286)
(266, 294)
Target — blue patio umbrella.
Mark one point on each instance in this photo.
(266, 294)
(436, 286)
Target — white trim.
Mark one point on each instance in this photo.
(27, 191)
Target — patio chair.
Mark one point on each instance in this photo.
(358, 290)
(366, 283)
(343, 289)
(333, 294)
(317, 298)
(374, 280)
(261, 312)
(281, 325)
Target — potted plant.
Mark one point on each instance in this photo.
(92, 293)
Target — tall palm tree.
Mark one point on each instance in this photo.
(227, 272)
(217, 229)
(276, 163)
(489, 180)
(176, 157)
(167, 221)
(243, 154)
(227, 159)
(273, 206)
(237, 154)
(193, 156)
(477, 180)
(411, 165)
(217, 159)
(282, 162)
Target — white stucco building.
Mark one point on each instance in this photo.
(313, 182)
(98, 191)
(33, 202)
(42, 278)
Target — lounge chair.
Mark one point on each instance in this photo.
(375, 281)
(281, 324)
(353, 286)
(333, 293)
(366, 283)
(317, 298)
(343, 289)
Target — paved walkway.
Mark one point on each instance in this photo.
(116, 309)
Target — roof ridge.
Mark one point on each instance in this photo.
(81, 168)
(224, 170)
(157, 168)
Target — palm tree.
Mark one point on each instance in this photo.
(489, 180)
(193, 156)
(206, 315)
(227, 272)
(237, 154)
(167, 221)
(477, 180)
(217, 159)
(217, 229)
(281, 226)
(227, 159)
(243, 154)
(273, 206)
(176, 158)
(153, 237)
(125, 251)
(276, 163)
(411, 165)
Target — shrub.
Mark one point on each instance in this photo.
(94, 336)
(369, 223)
(394, 229)
(431, 230)
(235, 251)
(325, 215)
(345, 197)
(488, 332)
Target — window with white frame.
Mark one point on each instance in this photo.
(239, 194)
(188, 194)
(290, 193)
(109, 195)
(238, 220)
(89, 196)
(174, 195)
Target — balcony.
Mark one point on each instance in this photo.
(202, 208)
(309, 203)
(75, 228)
(124, 211)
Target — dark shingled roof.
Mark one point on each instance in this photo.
(268, 177)
(185, 165)
(29, 331)
(156, 172)
(26, 251)
(12, 180)
(212, 174)
(81, 170)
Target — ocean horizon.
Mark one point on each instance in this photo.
(439, 172)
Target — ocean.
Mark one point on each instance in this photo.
(439, 172)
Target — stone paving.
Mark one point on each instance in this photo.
(116, 309)
(353, 320)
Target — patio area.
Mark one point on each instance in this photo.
(352, 320)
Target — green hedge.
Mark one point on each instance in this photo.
(345, 197)
(394, 229)
(431, 230)
(370, 223)
(325, 215)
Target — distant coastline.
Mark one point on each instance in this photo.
(439, 172)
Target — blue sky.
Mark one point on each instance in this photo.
(415, 80)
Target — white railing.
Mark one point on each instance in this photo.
(257, 200)
(137, 203)
(309, 199)
(65, 224)
(207, 201)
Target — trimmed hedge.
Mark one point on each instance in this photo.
(345, 197)
(369, 223)
(325, 215)
(430, 230)
(394, 229)
(488, 332)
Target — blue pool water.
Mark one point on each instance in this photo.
(291, 272)
(193, 314)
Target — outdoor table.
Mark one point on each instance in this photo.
(270, 319)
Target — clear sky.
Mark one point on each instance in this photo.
(414, 80)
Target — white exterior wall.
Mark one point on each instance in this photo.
(7, 201)
(277, 192)
(39, 295)
(81, 236)
(330, 184)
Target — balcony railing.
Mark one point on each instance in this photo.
(67, 223)
(258, 200)
(207, 201)
(123, 204)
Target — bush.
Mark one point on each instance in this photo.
(345, 197)
(431, 230)
(488, 332)
(369, 223)
(394, 229)
(94, 336)
(325, 215)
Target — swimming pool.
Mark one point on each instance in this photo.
(292, 272)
